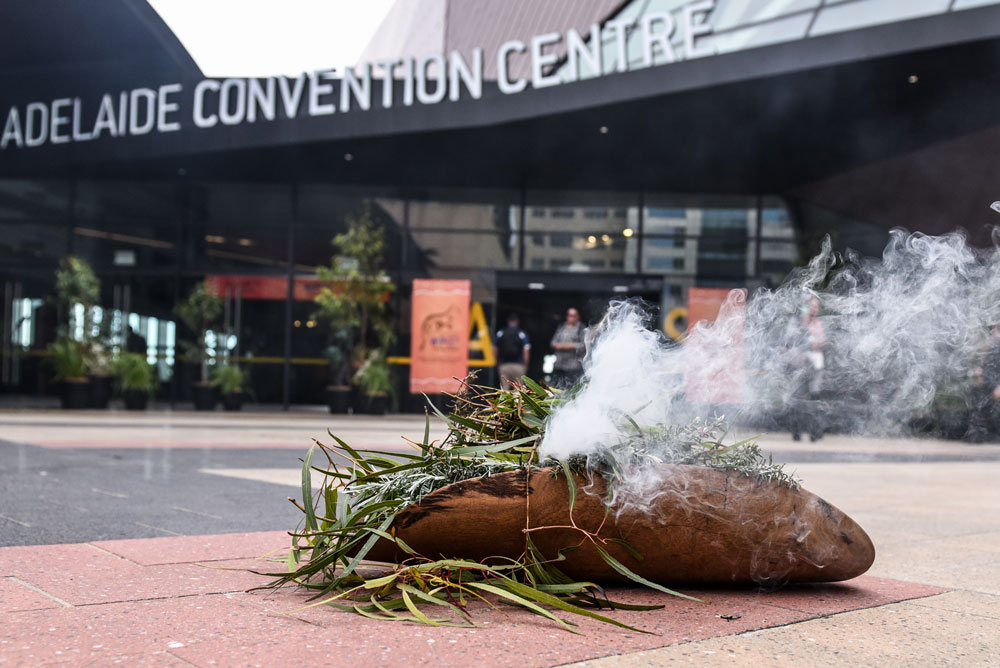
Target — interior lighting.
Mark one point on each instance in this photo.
(297, 323)
(606, 239)
(604, 129)
(913, 78)
(245, 242)
(215, 239)
(628, 232)
(348, 157)
(310, 323)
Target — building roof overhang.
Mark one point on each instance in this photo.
(776, 119)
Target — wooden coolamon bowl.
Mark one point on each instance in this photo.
(706, 526)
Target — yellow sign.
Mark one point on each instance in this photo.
(479, 337)
(670, 323)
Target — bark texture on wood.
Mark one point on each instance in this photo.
(704, 526)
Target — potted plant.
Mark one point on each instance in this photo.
(338, 355)
(231, 379)
(69, 364)
(78, 291)
(374, 383)
(136, 380)
(199, 311)
(354, 304)
(100, 372)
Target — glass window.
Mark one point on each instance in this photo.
(705, 236)
(27, 244)
(775, 220)
(583, 232)
(772, 32)
(862, 13)
(34, 200)
(731, 14)
(463, 248)
(658, 212)
(238, 227)
(969, 4)
(327, 216)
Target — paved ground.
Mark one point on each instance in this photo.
(109, 484)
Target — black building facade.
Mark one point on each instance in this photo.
(681, 144)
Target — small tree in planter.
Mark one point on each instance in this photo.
(232, 380)
(341, 367)
(374, 381)
(68, 359)
(199, 311)
(136, 380)
(354, 302)
(78, 291)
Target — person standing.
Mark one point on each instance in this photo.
(513, 352)
(568, 343)
(808, 340)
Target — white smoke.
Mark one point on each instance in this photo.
(898, 331)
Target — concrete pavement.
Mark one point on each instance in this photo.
(932, 597)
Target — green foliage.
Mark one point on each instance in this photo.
(68, 358)
(199, 311)
(229, 377)
(76, 283)
(338, 354)
(97, 358)
(359, 502)
(354, 301)
(374, 376)
(134, 374)
(489, 432)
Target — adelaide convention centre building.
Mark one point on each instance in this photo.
(555, 153)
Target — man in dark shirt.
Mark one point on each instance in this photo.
(513, 351)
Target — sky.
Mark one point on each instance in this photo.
(248, 38)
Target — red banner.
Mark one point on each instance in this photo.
(714, 371)
(439, 347)
(263, 287)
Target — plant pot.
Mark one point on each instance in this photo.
(100, 391)
(233, 401)
(75, 393)
(339, 398)
(135, 400)
(205, 397)
(375, 404)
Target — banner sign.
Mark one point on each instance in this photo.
(439, 343)
(305, 289)
(660, 36)
(714, 346)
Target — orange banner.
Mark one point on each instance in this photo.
(715, 355)
(439, 347)
(264, 287)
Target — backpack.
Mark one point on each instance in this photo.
(511, 346)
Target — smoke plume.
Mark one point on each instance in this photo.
(898, 332)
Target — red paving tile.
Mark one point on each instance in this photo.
(96, 634)
(152, 551)
(16, 596)
(191, 622)
(85, 575)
